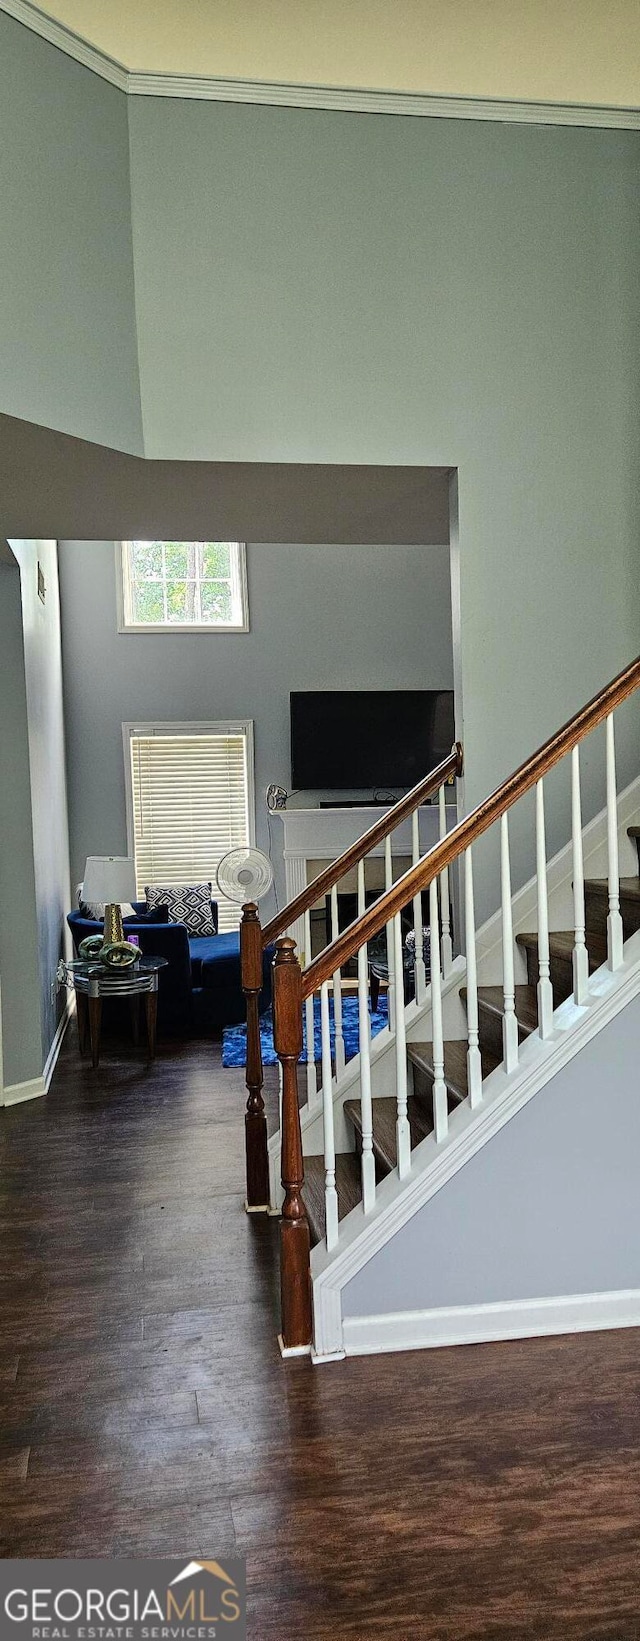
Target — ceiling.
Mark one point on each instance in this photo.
(565, 51)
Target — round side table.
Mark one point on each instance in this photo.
(92, 981)
(379, 965)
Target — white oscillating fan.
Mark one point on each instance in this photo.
(244, 874)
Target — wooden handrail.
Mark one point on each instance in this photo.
(450, 766)
(471, 827)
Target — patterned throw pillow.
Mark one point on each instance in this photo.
(190, 905)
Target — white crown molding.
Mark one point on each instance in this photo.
(353, 100)
(24, 11)
(282, 94)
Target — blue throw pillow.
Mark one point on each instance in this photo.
(156, 914)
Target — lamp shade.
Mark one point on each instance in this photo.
(110, 879)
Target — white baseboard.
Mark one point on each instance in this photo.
(15, 1093)
(479, 1324)
(52, 1057)
(36, 1087)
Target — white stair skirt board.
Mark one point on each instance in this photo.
(480, 1324)
(469, 1130)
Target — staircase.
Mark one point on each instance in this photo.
(490, 1030)
(377, 1137)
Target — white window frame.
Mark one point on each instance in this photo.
(239, 573)
(230, 726)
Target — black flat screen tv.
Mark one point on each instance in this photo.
(368, 739)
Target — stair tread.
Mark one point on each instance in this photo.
(629, 887)
(455, 1064)
(348, 1186)
(562, 941)
(384, 1125)
(526, 1004)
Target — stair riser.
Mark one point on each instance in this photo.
(561, 973)
(382, 1167)
(423, 1091)
(490, 1031)
(597, 910)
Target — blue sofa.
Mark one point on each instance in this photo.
(200, 991)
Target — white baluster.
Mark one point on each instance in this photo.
(330, 1193)
(446, 943)
(615, 934)
(440, 1105)
(312, 1079)
(366, 1109)
(474, 1061)
(403, 1133)
(391, 966)
(362, 899)
(420, 970)
(545, 989)
(337, 991)
(580, 953)
(509, 1021)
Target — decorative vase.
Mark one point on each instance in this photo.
(119, 954)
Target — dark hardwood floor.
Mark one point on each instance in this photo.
(484, 1492)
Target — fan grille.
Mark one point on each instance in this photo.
(244, 874)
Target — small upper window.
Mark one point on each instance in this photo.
(183, 585)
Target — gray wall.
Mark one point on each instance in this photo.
(68, 352)
(357, 288)
(45, 721)
(553, 1199)
(19, 971)
(365, 289)
(338, 617)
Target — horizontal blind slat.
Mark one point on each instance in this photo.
(190, 806)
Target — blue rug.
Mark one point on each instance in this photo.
(234, 1038)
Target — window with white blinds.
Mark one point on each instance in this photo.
(190, 800)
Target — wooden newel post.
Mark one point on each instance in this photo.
(295, 1245)
(255, 1122)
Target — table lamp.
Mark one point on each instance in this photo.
(110, 879)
